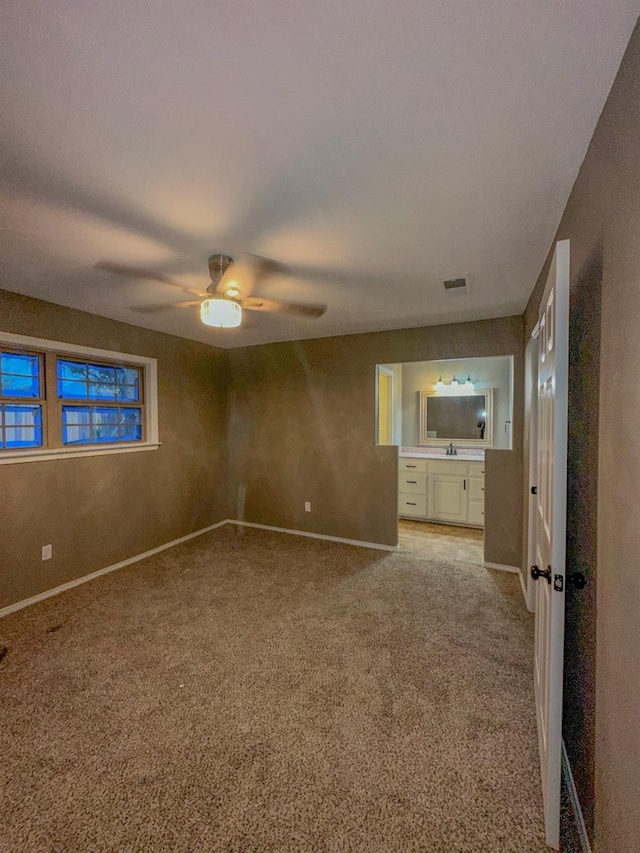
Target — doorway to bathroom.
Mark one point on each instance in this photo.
(444, 417)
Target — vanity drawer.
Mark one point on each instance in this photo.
(476, 469)
(413, 483)
(412, 505)
(419, 466)
(451, 466)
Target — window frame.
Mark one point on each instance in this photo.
(49, 352)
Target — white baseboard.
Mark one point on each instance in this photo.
(500, 567)
(575, 802)
(19, 605)
(358, 542)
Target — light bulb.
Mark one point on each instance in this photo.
(454, 382)
(439, 385)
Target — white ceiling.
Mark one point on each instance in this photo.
(375, 146)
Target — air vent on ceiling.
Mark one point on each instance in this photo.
(459, 284)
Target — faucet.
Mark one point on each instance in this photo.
(451, 450)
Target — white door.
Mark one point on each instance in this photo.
(551, 521)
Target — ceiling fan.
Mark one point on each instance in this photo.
(231, 290)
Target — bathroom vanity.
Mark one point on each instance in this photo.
(436, 487)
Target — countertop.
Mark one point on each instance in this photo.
(427, 454)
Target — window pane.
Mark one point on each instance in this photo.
(102, 381)
(20, 386)
(98, 424)
(76, 434)
(104, 424)
(75, 414)
(22, 426)
(19, 375)
(23, 437)
(22, 415)
(128, 379)
(128, 393)
(101, 391)
(72, 370)
(127, 375)
(24, 365)
(102, 373)
(131, 425)
(69, 389)
(75, 425)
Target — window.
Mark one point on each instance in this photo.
(21, 400)
(118, 417)
(69, 400)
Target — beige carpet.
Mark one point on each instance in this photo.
(252, 691)
(441, 541)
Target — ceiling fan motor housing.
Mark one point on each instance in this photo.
(218, 265)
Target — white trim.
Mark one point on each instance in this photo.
(358, 542)
(46, 454)
(19, 605)
(501, 568)
(150, 374)
(575, 802)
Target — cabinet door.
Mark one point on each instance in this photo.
(476, 488)
(476, 513)
(448, 497)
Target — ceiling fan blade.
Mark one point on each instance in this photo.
(147, 275)
(242, 272)
(274, 306)
(265, 267)
(154, 309)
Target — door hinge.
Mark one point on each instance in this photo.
(558, 583)
(534, 490)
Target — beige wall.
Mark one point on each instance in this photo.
(99, 510)
(602, 220)
(302, 427)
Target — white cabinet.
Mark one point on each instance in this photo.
(447, 497)
(448, 490)
(412, 488)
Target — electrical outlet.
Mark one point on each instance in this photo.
(307, 506)
(47, 552)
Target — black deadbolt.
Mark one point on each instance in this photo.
(578, 580)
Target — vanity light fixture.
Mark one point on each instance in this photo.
(455, 387)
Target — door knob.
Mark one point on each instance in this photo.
(578, 580)
(540, 573)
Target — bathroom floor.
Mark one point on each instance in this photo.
(445, 541)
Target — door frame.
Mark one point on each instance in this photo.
(531, 422)
(385, 371)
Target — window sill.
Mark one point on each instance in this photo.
(45, 455)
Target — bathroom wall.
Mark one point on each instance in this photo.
(496, 373)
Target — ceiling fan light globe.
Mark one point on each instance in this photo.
(221, 313)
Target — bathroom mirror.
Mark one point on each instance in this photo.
(456, 418)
